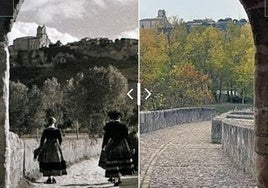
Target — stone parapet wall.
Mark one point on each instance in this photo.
(236, 134)
(216, 128)
(154, 120)
(22, 162)
(238, 143)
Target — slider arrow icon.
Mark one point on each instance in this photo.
(149, 94)
(128, 94)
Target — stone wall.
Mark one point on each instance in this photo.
(22, 162)
(16, 159)
(3, 115)
(5, 151)
(236, 134)
(154, 120)
(216, 127)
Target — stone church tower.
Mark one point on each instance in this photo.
(42, 36)
(41, 31)
(161, 14)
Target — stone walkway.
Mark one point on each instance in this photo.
(182, 156)
(86, 174)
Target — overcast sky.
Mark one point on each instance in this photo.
(69, 20)
(76, 19)
(193, 9)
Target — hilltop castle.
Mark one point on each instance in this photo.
(30, 42)
(160, 22)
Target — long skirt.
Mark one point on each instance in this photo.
(102, 159)
(118, 159)
(134, 144)
(51, 162)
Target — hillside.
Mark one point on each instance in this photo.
(64, 61)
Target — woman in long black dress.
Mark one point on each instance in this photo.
(115, 145)
(51, 162)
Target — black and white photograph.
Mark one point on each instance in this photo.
(71, 65)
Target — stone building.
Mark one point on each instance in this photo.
(160, 22)
(30, 42)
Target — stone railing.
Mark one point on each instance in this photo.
(23, 164)
(216, 128)
(234, 130)
(154, 120)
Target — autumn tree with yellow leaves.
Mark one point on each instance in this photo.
(188, 68)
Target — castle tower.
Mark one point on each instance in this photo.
(41, 32)
(42, 36)
(161, 14)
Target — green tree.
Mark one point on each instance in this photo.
(153, 56)
(34, 119)
(91, 94)
(18, 109)
(51, 100)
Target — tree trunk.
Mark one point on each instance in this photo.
(220, 94)
(259, 23)
(242, 98)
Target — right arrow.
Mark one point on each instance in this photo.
(149, 93)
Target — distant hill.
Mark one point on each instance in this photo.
(65, 61)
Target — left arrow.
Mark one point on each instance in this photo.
(128, 94)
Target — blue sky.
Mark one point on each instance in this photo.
(192, 9)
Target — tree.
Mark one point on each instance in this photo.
(51, 100)
(154, 57)
(244, 68)
(188, 86)
(75, 103)
(91, 94)
(34, 119)
(18, 109)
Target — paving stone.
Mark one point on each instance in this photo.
(182, 156)
(86, 174)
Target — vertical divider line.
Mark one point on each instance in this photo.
(138, 94)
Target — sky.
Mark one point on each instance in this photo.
(193, 9)
(71, 20)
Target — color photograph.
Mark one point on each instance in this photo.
(197, 60)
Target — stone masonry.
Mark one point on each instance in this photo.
(5, 26)
(22, 163)
(154, 120)
(234, 130)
